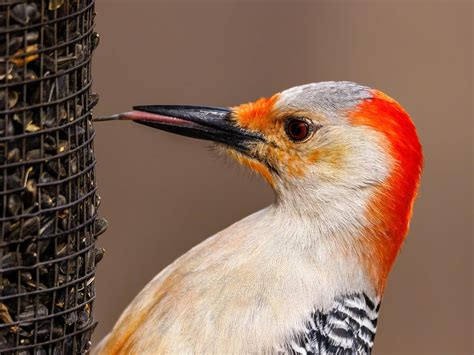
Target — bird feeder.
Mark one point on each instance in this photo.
(48, 200)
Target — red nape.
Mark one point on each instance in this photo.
(391, 208)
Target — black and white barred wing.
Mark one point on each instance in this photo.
(348, 328)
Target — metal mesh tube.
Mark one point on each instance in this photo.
(48, 200)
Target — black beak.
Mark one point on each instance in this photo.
(208, 123)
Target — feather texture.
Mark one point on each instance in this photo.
(347, 328)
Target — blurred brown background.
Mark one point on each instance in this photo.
(162, 194)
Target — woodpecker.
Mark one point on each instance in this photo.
(305, 275)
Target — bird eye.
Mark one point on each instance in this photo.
(298, 129)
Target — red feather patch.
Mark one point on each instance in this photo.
(391, 208)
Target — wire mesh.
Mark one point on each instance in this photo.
(48, 198)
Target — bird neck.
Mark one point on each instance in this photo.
(326, 211)
(344, 218)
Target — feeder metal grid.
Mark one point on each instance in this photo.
(48, 198)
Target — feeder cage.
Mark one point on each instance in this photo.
(48, 200)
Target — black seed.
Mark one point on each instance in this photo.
(25, 13)
(99, 254)
(13, 155)
(6, 128)
(14, 204)
(33, 312)
(93, 100)
(10, 260)
(100, 226)
(95, 40)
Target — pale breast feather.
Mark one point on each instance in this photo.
(347, 328)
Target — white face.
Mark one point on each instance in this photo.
(334, 159)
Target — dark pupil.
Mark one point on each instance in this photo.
(298, 130)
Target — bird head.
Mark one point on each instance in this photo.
(338, 150)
